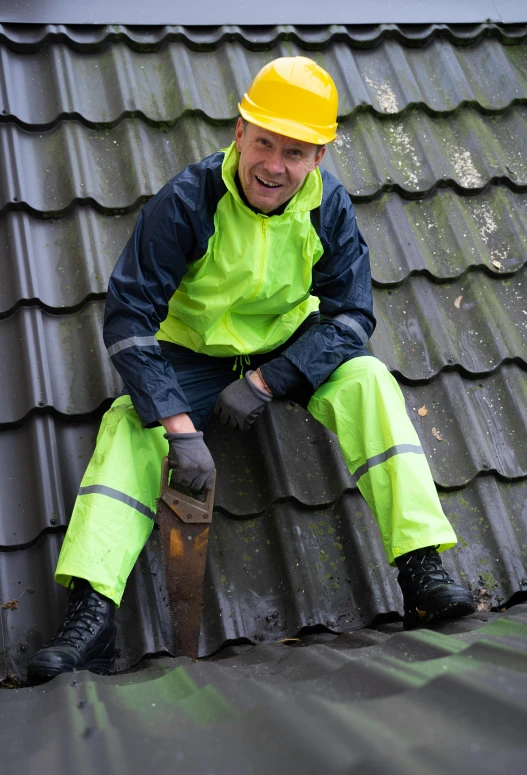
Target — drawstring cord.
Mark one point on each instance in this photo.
(241, 362)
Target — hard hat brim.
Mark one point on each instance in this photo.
(292, 129)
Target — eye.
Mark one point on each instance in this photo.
(263, 141)
(295, 152)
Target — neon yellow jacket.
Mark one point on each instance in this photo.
(204, 271)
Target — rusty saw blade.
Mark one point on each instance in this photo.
(184, 524)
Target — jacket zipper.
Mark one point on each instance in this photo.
(262, 266)
(258, 285)
(236, 338)
(262, 260)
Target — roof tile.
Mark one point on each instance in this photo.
(92, 122)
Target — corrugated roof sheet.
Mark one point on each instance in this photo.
(432, 148)
(420, 333)
(443, 237)
(378, 701)
(116, 168)
(167, 83)
(29, 38)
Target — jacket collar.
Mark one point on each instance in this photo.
(308, 197)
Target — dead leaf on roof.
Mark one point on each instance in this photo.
(422, 411)
(11, 605)
(457, 302)
(437, 434)
(288, 641)
(497, 263)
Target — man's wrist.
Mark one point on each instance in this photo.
(178, 423)
(257, 378)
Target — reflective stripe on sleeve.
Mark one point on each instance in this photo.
(349, 322)
(132, 341)
(398, 449)
(101, 489)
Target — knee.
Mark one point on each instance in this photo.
(362, 379)
(365, 367)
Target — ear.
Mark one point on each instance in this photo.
(238, 134)
(319, 156)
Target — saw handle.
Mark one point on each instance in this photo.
(185, 506)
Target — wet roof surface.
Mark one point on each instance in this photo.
(448, 699)
(432, 147)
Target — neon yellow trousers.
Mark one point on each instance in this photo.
(361, 402)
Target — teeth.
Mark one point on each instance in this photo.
(268, 182)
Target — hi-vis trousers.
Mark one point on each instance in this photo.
(360, 402)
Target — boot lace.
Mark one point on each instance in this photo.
(424, 568)
(81, 614)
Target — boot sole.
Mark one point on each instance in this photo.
(38, 674)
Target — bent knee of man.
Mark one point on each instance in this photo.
(364, 366)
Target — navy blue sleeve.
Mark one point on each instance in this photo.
(169, 233)
(342, 282)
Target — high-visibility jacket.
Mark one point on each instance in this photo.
(203, 270)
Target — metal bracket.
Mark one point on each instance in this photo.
(187, 508)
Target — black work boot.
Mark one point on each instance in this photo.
(428, 591)
(85, 641)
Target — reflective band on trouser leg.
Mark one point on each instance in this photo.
(363, 404)
(115, 509)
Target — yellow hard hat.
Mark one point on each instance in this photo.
(295, 97)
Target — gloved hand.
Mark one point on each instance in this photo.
(190, 460)
(240, 403)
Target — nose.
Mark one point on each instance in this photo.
(274, 163)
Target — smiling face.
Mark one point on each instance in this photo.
(272, 167)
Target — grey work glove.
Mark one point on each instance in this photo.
(241, 403)
(190, 460)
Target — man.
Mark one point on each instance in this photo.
(246, 279)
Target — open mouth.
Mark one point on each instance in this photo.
(267, 183)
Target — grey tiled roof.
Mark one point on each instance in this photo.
(432, 147)
(30, 37)
(377, 701)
